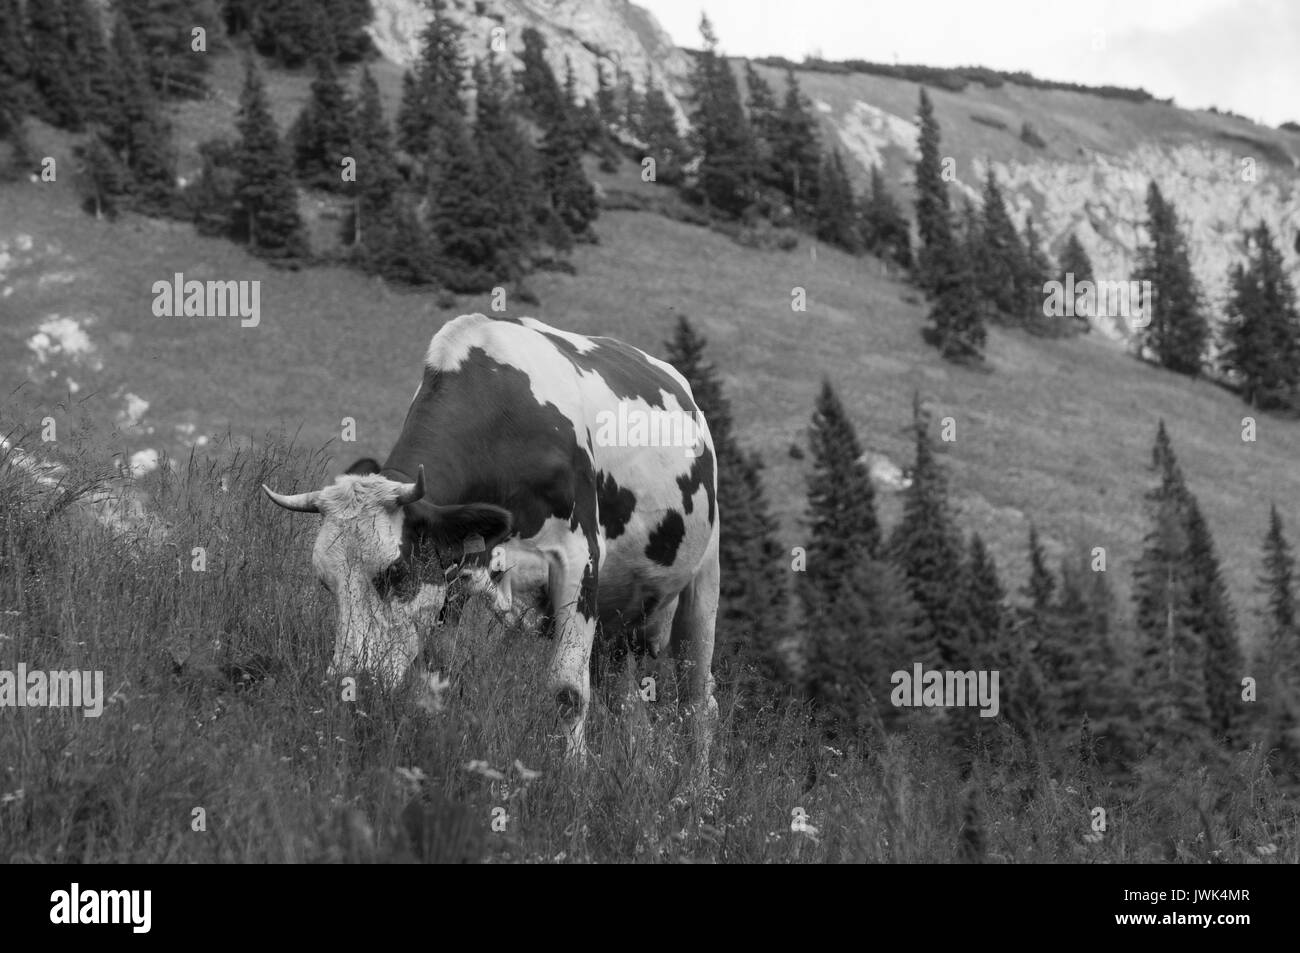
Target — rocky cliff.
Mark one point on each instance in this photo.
(1086, 170)
(619, 34)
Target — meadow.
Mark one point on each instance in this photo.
(222, 741)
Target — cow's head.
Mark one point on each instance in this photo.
(377, 552)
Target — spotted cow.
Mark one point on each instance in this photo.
(580, 459)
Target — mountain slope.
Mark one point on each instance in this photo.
(1057, 432)
(1090, 177)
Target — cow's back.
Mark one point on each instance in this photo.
(543, 422)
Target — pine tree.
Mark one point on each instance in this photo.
(1039, 637)
(727, 177)
(592, 131)
(1042, 584)
(989, 642)
(163, 30)
(433, 108)
(631, 105)
(1211, 618)
(987, 618)
(844, 530)
(935, 258)
(211, 197)
(1075, 262)
(885, 229)
(102, 180)
(287, 30)
(572, 196)
(1279, 723)
(541, 92)
(375, 190)
(572, 108)
(463, 223)
(350, 18)
(97, 91)
(1171, 654)
(1071, 618)
(398, 247)
(138, 130)
(15, 154)
(925, 545)
(15, 56)
(956, 322)
(55, 76)
(853, 645)
(1178, 331)
(836, 213)
(1025, 698)
(321, 136)
(1001, 265)
(1102, 694)
(1261, 338)
(1037, 269)
(761, 104)
(238, 15)
(662, 138)
(797, 150)
(508, 164)
(607, 100)
(753, 606)
(609, 121)
(413, 121)
(1279, 578)
(267, 202)
(861, 624)
(1056, 652)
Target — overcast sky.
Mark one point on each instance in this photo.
(1242, 55)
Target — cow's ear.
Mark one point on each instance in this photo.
(363, 467)
(452, 525)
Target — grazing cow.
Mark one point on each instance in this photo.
(580, 460)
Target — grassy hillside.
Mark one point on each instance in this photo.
(1057, 432)
(219, 698)
(221, 740)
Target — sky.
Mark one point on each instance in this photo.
(1241, 55)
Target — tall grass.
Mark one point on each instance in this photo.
(219, 702)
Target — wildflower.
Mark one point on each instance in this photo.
(526, 774)
(484, 769)
(413, 775)
(431, 688)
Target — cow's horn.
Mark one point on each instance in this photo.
(299, 502)
(414, 491)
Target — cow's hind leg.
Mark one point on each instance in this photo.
(572, 583)
(692, 640)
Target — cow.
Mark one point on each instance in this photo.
(546, 450)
